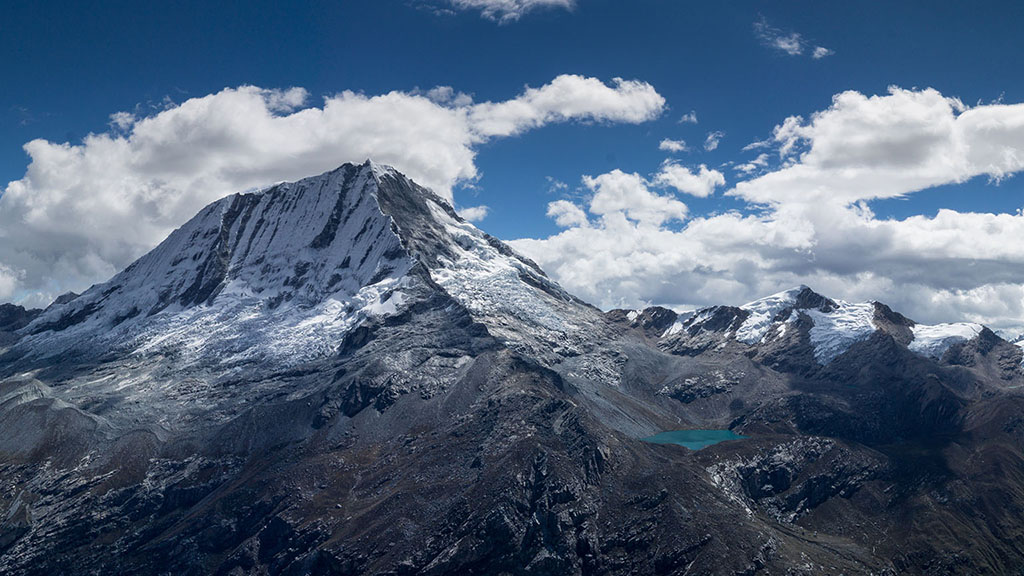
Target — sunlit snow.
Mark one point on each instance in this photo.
(933, 341)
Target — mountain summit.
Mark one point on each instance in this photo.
(283, 280)
(802, 316)
(282, 274)
(341, 376)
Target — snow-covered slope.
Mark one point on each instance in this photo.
(933, 341)
(765, 313)
(277, 274)
(508, 293)
(835, 331)
(282, 274)
(502, 290)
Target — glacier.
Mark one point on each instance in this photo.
(933, 341)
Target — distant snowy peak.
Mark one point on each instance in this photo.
(764, 313)
(751, 323)
(835, 325)
(832, 326)
(653, 321)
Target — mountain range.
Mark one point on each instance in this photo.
(342, 376)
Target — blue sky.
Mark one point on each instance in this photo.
(69, 67)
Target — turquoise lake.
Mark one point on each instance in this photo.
(693, 439)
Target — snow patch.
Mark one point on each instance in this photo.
(673, 329)
(835, 332)
(490, 284)
(762, 314)
(692, 318)
(933, 341)
(381, 170)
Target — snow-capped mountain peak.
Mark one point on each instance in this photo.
(283, 273)
(754, 321)
(832, 326)
(278, 273)
(766, 312)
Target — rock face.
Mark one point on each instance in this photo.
(341, 376)
(12, 319)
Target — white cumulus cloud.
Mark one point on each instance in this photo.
(84, 210)
(700, 183)
(568, 97)
(689, 118)
(622, 196)
(474, 213)
(866, 147)
(753, 166)
(669, 145)
(809, 220)
(566, 214)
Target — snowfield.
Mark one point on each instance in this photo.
(933, 341)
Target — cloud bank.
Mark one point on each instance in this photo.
(84, 210)
(809, 220)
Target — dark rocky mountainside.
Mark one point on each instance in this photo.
(12, 319)
(341, 376)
